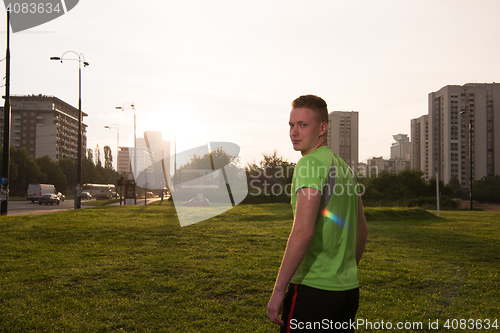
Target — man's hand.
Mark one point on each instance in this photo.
(274, 307)
(308, 201)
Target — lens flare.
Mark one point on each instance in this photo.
(329, 215)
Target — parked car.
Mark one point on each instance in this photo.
(86, 196)
(166, 195)
(60, 196)
(35, 191)
(149, 194)
(48, 198)
(197, 202)
(102, 196)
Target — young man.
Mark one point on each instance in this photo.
(328, 235)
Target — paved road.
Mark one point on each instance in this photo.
(26, 207)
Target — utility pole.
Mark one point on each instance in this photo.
(4, 180)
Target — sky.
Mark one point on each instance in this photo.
(227, 70)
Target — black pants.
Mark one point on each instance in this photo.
(307, 309)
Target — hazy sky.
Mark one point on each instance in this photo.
(228, 70)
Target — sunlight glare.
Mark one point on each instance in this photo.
(178, 121)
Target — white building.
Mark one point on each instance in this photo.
(123, 164)
(401, 149)
(153, 156)
(44, 125)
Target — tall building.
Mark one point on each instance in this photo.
(343, 136)
(450, 110)
(44, 125)
(419, 144)
(153, 160)
(124, 164)
(401, 149)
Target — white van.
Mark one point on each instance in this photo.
(35, 191)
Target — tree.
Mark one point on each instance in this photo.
(413, 181)
(456, 189)
(272, 176)
(89, 173)
(97, 156)
(108, 158)
(219, 157)
(272, 160)
(487, 189)
(23, 171)
(68, 168)
(90, 155)
(54, 173)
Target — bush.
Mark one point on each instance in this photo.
(486, 189)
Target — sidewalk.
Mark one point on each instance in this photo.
(140, 202)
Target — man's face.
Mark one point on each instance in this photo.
(305, 130)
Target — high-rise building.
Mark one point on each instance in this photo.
(44, 125)
(450, 110)
(401, 149)
(419, 144)
(343, 136)
(124, 164)
(153, 160)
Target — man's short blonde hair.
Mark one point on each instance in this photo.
(314, 103)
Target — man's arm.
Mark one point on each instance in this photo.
(362, 231)
(306, 211)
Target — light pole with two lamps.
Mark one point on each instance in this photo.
(81, 60)
(117, 148)
(123, 108)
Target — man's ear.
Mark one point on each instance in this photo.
(324, 128)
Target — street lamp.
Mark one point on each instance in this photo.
(81, 60)
(131, 106)
(467, 109)
(117, 147)
(4, 192)
(117, 140)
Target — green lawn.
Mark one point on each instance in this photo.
(133, 269)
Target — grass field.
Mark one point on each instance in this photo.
(133, 269)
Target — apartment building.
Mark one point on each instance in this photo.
(451, 109)
(419, 144)
(377, 165)
(124, 165)
(153, 156)
(401, 149)
(343, 136)
(44, 125)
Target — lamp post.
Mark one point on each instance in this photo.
(81, 60)
(117, 148)
(4, 192)
(131, 106)
(467, 109)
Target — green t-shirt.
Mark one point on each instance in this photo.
(330, 261)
